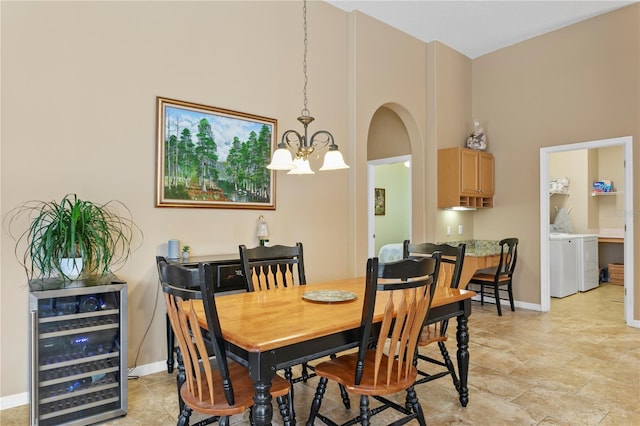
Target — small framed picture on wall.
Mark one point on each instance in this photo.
(379, 201)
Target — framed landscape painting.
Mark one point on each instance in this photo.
(213, 157)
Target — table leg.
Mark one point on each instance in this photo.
(261, 370)
(262, 410)
(462, 337)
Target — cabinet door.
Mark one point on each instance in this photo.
(469, 172)
(485, 174)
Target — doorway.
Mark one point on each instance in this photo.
(391, 222)
(627, 144)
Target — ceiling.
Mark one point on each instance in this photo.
(475, 28)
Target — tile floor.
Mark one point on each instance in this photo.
(577, 365)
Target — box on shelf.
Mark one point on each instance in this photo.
(603, 186)
(616, 273)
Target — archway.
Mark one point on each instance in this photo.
(390, 147)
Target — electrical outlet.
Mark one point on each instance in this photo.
(448, 231)
(459, 229)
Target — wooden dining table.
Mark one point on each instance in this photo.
(270, 330)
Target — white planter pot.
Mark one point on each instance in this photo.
(71, 267)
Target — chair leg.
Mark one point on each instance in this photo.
(289, 376)
(285, 411)
(496, 295)
(317, 400)
(510, 290)
(364, 410)
(223, 421)
(449, 364)
(482, 294)
(343, 392)
(412, 400)
(185, 413)
(305, 372)
(345, 397)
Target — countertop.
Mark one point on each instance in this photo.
(477, 247)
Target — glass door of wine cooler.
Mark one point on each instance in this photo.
(79, 367)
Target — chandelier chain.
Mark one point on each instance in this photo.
(305, 111)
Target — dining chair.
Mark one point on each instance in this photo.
(271, 267)
(384, 362)
(451, 265)
(500, 276)
(213, 385)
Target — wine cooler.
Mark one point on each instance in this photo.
(78, 373)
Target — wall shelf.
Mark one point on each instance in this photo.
(598, 194)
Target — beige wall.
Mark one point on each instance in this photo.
(610, 207)
(79, 85)
(575, 166)
(449, 124)
(387, 136)
(576, 84)
(79, 82)
(388, 69)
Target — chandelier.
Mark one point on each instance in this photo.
(301, 144)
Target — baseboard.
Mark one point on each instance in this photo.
(517, 303)
(634, 323)
(145, 370)
(19, 399)
(14, 400)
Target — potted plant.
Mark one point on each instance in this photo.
(185, 252)
(95, 237)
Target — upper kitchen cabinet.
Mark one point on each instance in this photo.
(465, 178)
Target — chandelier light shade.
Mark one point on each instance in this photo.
(301, 167)
(282, 159)
(333, 160)
(301, 145)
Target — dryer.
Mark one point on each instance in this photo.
(574, 263)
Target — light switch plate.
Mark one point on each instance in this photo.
(459, 229)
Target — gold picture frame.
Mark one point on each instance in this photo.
(208, 157)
